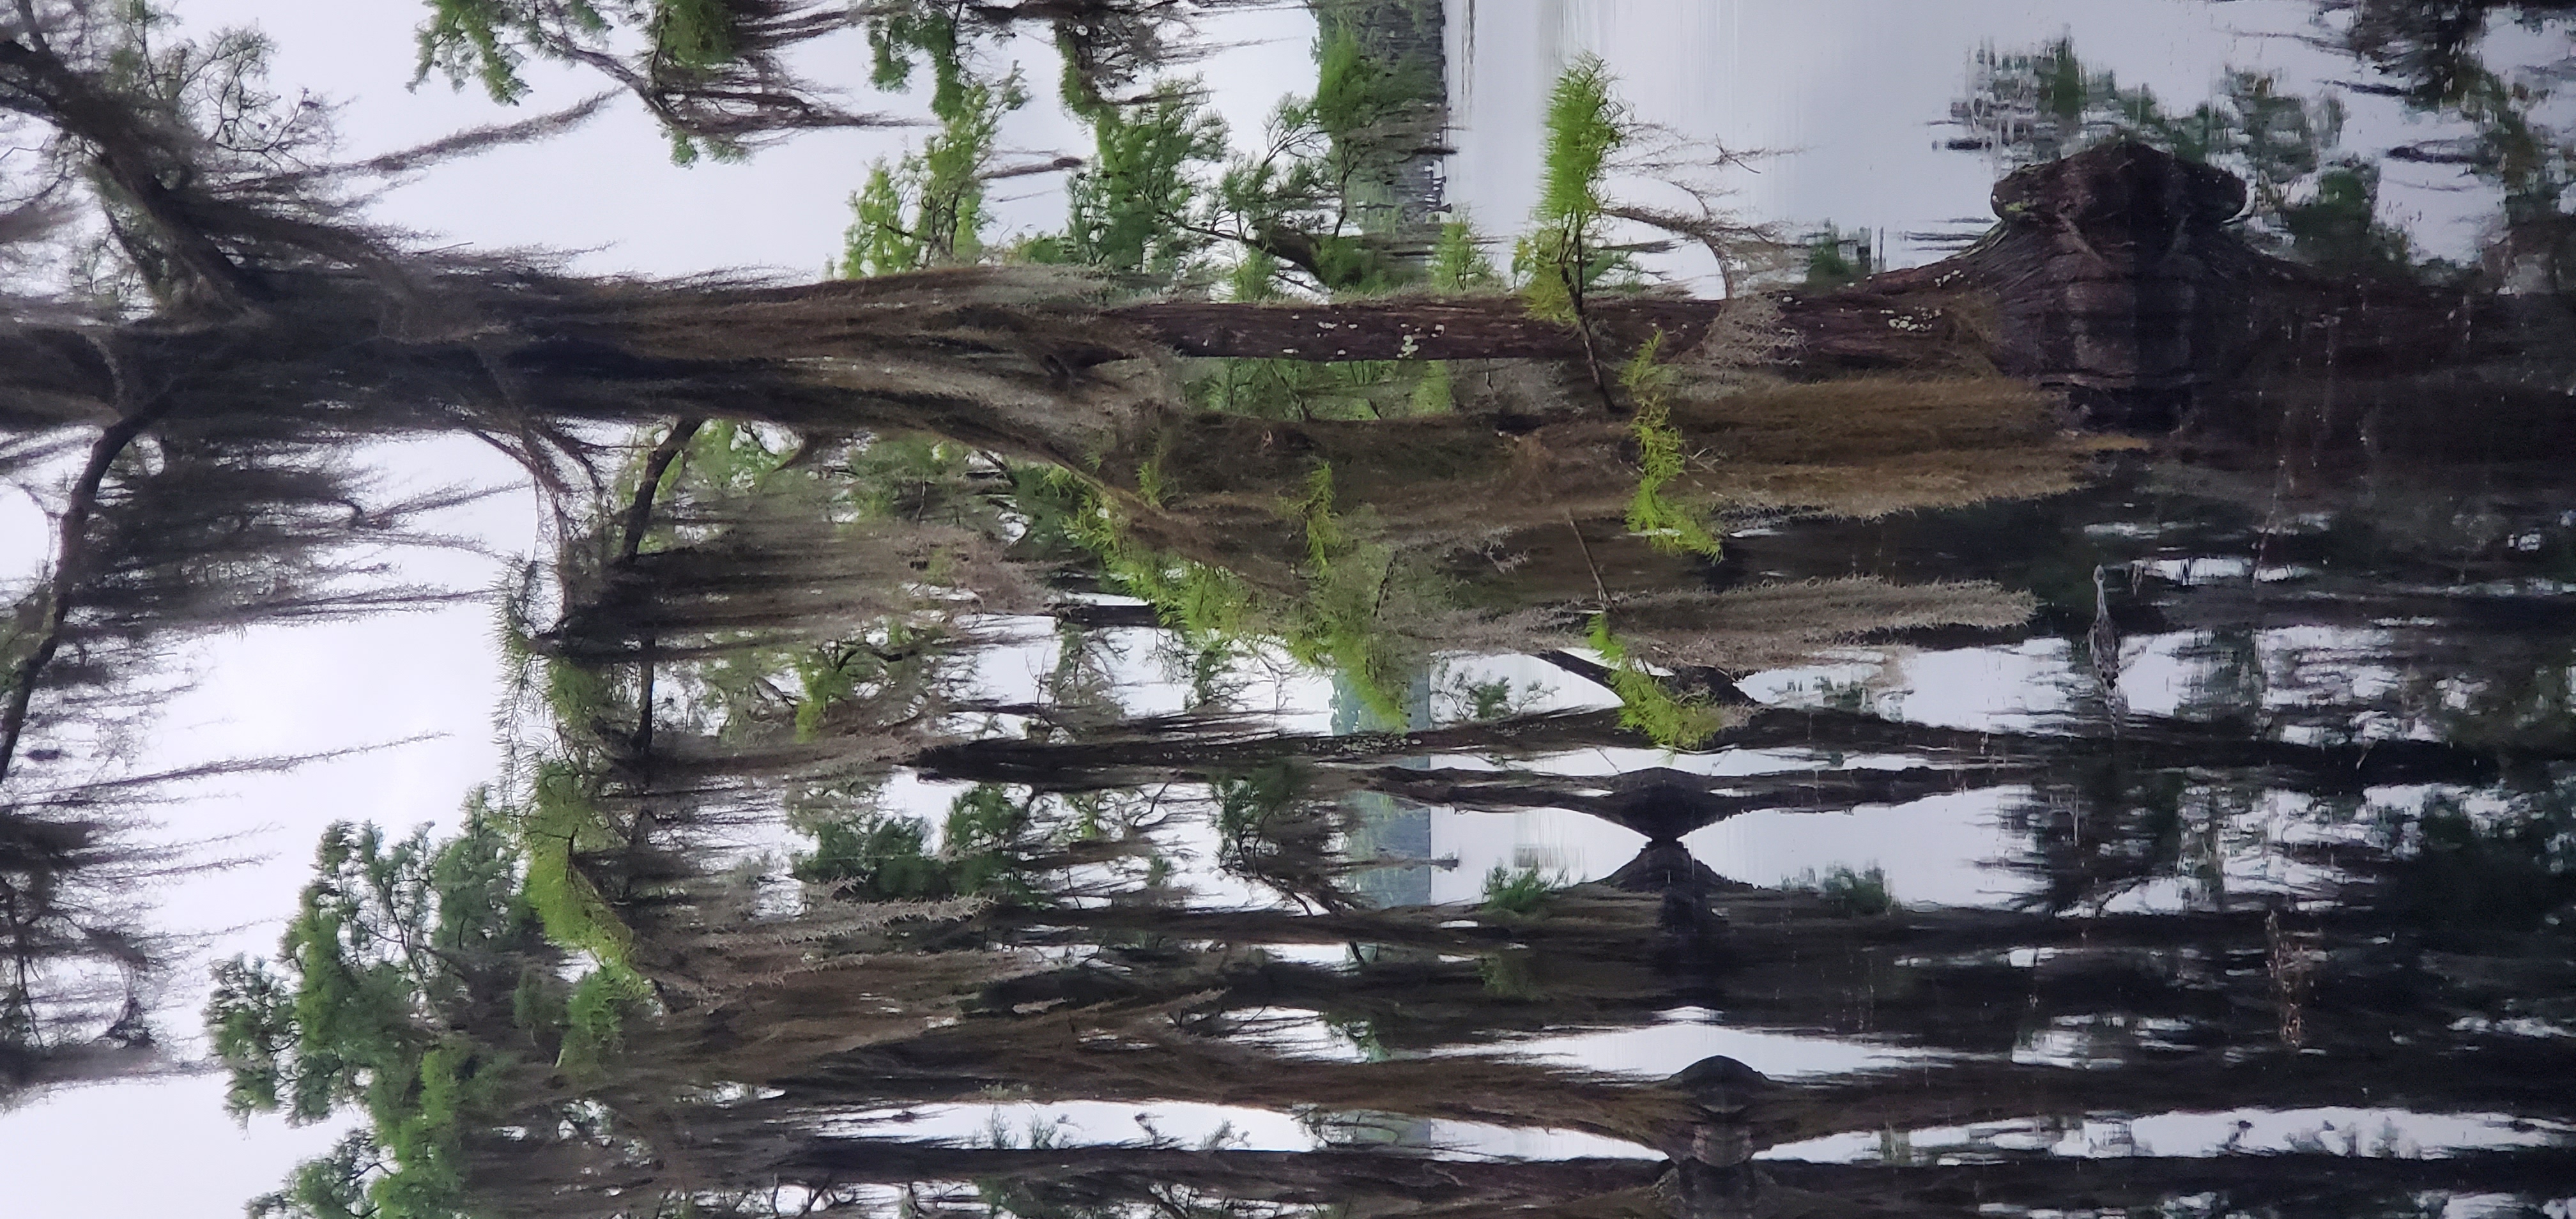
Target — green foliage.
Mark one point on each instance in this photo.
(1361, 101)
(821, 680)
(928, 209)
(581, 696)
(369, 962)
(560, 824)
(487, 41)
(1354, 591)
(1563, 258)
(869, 856)
(1458, 264)
(916, 478)
(1322, 389)
(333, 1185)
(1478, 701)
(389, 993)
(1321, 197)
(481, 40)
(1665, 525)
(1362, 1033)
(831, 674)
(2337, 225)
(1254, 277)
(1149, 474)
(732, 474)
(1458, 260)
(1584, 125)
(727, 458)
(1835, 258)
(1852, 894)
(1069, 512)
(881, 239)
(1346, 620)
(595, 1017)
(1510, 973)
(1272, 830)
(1142, 176)
(984, 840)
(986, 844)
(901, 33)
(1646, 704)
(1518, 894)
(1324, 536)
(1247, 803)
(250, 1020)
(456, 1081)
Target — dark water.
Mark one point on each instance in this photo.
(2114, 754)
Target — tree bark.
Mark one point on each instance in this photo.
(1323, 1177)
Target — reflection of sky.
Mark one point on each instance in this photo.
(1849, 93)
(1686, 1035)
(2344, 1131)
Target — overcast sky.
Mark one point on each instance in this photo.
(1846, 89)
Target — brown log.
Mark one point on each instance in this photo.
(1426, 328)
(2113, 275)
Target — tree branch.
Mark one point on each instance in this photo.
(71, 554)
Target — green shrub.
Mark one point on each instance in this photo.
(1854, 894)
(1517, 894)
(1646, 704)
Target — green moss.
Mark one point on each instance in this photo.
(1433, 394)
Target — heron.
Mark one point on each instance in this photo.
(2103, 643)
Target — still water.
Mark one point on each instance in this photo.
(2100, 742)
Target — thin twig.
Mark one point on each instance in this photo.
(1597, 586)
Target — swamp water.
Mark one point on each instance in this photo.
(2054, 700)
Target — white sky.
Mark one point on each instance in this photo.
(1849, 85)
